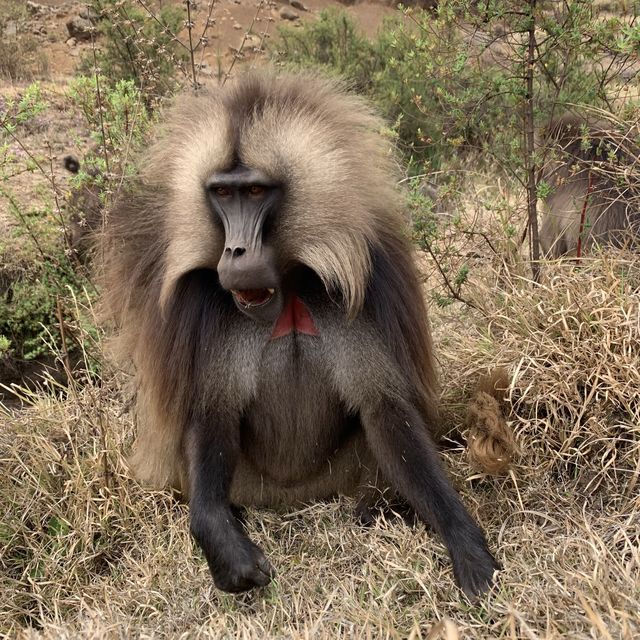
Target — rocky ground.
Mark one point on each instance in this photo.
(61, 29)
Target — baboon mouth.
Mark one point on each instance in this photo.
(253, 297)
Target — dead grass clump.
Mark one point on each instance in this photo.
(69, 515)
(572, 344)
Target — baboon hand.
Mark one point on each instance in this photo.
(244, 568)
(473, 570)
(236, 563)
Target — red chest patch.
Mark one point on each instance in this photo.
(294, 317)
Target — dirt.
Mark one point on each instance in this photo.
(232, 21)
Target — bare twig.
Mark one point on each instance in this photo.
(190, 26)
(103, 131)
(66, 361)
(238, 53)
(454, 294)
(529, 145)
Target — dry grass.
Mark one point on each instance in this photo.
(572, 344)
(91, 554)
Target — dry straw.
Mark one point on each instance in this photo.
(85, 552)
(571, 345)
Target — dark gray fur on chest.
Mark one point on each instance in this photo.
(296, 420)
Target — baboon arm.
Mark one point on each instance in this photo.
(212, 446)
(400, 441)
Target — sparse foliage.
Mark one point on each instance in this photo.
(139, 44)
(478, 79)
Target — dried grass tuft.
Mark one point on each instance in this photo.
(572, 345)
(85, 552)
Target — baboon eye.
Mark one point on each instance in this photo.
(223, 192)
(256, 190)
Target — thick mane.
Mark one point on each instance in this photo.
(397, 305)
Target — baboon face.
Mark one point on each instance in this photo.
(246, 203)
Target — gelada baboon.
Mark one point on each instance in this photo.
(263, 284)
(590, 197)
(84, 209)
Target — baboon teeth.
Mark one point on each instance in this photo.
(253, 297)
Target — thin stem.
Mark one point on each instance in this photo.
(529, 146)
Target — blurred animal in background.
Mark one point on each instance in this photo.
(593, 172)
(263, 282)
(84, 211)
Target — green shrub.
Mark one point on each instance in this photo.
(40, 278)
(453, 80)
(137, 46)
(33, 264)
(119, 120)
(409, 71)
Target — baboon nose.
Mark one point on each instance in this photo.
(235, 252)
(240, 267)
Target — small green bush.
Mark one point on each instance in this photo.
(137, 46)
(409, 71)
(39, 275)
(453, 80)
(119, 120)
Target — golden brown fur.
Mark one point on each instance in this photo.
(588, 163)
(320, 141)
(490, 440)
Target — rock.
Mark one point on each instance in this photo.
(287, 14)
(89, 13)
(36, 8)
(80, 28)
(71, 42)
(296, 4)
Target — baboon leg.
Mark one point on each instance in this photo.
(236, 563)
(408, 458)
